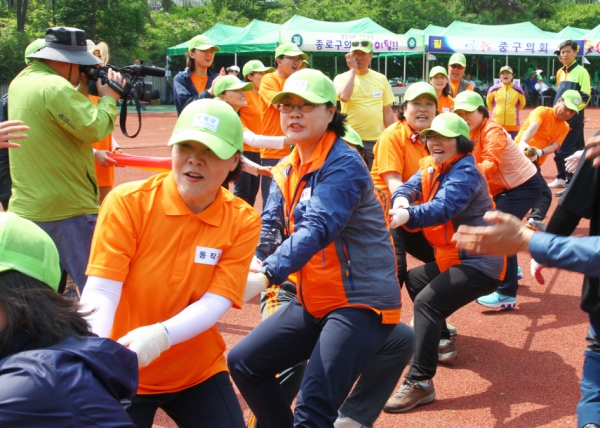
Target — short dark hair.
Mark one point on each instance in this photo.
(463, 145)
(235, 174)
(275, 63)
(189, 62)
(46, 316)
(484, 111)
(337, 122)
(567, 43)
(400, 111)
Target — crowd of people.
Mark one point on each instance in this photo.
(347, 193)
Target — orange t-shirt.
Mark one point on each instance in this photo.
(168, 258)
(551, 129)
(445, 104)
(271, 84)
(250, 116)
(104, 175)
(199, 82)
(395, 152)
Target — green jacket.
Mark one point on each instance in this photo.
(53, 172)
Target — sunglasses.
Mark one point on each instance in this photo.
(363, 43)
(288, 107)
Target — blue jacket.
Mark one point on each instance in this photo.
(337, 239)
(452, 194)
(184, 91)
(75, 383)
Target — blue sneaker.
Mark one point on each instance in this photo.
(497, 300)
(519, 273)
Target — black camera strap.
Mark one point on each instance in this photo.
(123, 115)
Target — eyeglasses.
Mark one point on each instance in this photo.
(363, 43)
(435, 138)
(289, 107)
(293, 58)
(456, 66)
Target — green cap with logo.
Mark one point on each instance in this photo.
(419, 88)
(289, 49)
(506, 68)
(364, 45)
(231, 83)
(26, 248)
(352, 137)
(437, 70)
(256, 66)
(212, 123)
(449, 125)
(33, 47)
(202, 43)
(310, 84)
(573, 101)
(468, 101)
(459, 59)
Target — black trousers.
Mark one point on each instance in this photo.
(247, 186)
(437, 296)
(573, 141)
(413, 243)
(541, 207)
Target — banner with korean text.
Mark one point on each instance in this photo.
(495, 46)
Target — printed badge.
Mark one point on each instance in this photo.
(206, 121)
(296, 85)
(305, 196)
(207, 256)
(378, 94)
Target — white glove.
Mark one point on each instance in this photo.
(147, 342)
(536, 271)
(572, 161)
(256, 283)
(398, 217)
(540, 153)
(255, 265)
(400, 202)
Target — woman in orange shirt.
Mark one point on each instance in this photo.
(170, 256)
(438, 77)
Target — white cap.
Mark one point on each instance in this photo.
(233, 68)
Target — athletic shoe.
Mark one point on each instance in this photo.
(558, 182)
(446, 351)
(591, 426)
(410, 395)
(519, 273)
(536, 225)
(497, 300)
(346, 422)
(560, 193)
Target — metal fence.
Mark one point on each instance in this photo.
(157, 4)
(3, 89)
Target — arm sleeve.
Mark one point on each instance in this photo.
(196, 318)
(249, 166)
(101, 297)
(411, 189)
(273, 228)
(493, 145)
(268, 89)
(263, 141)
(566, 252)
(490, 100)
(388, 94)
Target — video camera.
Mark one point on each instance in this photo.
(136, 88)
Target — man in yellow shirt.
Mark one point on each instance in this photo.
(366, 96)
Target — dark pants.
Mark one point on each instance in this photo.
(518, 202)
(212, 403)
(247, 186)
(369, 155)
(265, 182)
(541, 207)
(588, 408)
(380, 377)
(338, 346)
(437, 296)
(413, 243)
(573, 141)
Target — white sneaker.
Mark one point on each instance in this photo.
(558, 182)
(346, 422)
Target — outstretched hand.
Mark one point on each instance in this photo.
(7, 135)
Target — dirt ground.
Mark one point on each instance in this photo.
(515, 369)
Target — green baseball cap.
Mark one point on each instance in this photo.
(459, 59)
(419, 88)
(352, 137)
(231, 83)
(256, 66)
(289, 49)
(468, 101)
(573, 101)
(449, 125)
(26, 248)
(202, 43)
(506, 68)
(212, 123)
(364, 45)
(437, 70)
(32, 47)
(310, 84)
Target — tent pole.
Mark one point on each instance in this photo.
(335, 66)
(404, 76)
(519, 67)
(235, 58)
(385, 66)
(493, 68)
(423, 70)
(506, 61)
(552, 68)
(378, 64)
(548, 69)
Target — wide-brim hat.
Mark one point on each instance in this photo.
(66, 44)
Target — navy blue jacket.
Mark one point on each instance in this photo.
(184, 91)
(75, 383)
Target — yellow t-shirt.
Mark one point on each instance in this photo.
(371, 93)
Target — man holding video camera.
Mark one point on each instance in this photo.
(54, 180)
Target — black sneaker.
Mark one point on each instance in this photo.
(410, 395)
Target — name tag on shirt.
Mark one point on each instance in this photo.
(207, 256)
(305, 196)
(446, 110)
(378, 94)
